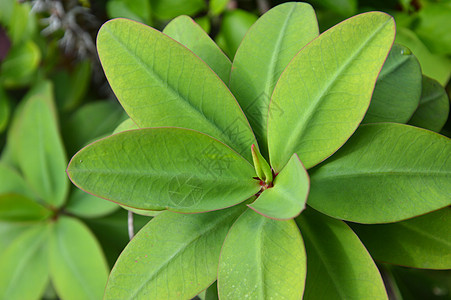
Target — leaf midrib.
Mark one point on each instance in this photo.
(181, 250)
(300, 127)
(332, 176)
(184, 102)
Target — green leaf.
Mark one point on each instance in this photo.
(86, 205)
(18, 208)
(164, 168)
(174, 256)
(262, 259)
(91, 121)
(216, 7)
(421, 242)
(12, 182)
(434, 66)
(40, 151)
(398, 88)
(433, 110)
(10, 231)
(184, 30)
(24, 266)
(339, 267)
(262, 168)
(286, 199)
(141, 61)
(433, 27)
(70, 89)
(5, 110)
(345, 8)
(386, 172)
(234, 27)
(212, 292)
(137, 10)
(169, 9)
(264, 53)
(127, 124)
(22, 60)
(22, 23)
(78, 268)
(326, 89)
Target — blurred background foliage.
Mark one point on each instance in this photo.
(54, 99)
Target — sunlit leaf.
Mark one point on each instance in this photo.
(185, 91)
(264, 53)
(164, 168)
(326, 89)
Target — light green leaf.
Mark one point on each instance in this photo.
(264, 53)
(433, 27)
(12, 182)
(78, 268)
(422, 242)
(127, 124)
(40, 151)
(262, 259)
(174, 256)
(386, 172)
(216, 7)
(22, 23)
(286, 199)
(434, 66)
(141, 61)
(142, 212)
(18, 208)
(91, 121)
(262, 168)
(24, 269)
(339, 267)
(10, 231)
(433, 110)
(325, 91)
(164, 168)
(86, 205)
(235, 24)
(21, 61)
(398, 88)
(169, 9)
(184, 30)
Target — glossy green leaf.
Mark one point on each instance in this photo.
(86, 205)
(262, 259)
(386, 172)
(21, 61)
(91, 121)
(127, 124)
(286, 199)
(78, 268)
(169, 9)
(174, 256)
(433, 110)
(186, 92)
(339, 267)
(40, 151)
(326, 89)
(18, 208)
(398, 88)
(422, 242)
(24, 268)
(235, 24)
(164, 168)
(264, 53)
(184, 30)
(434, 66)
(12, 182)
